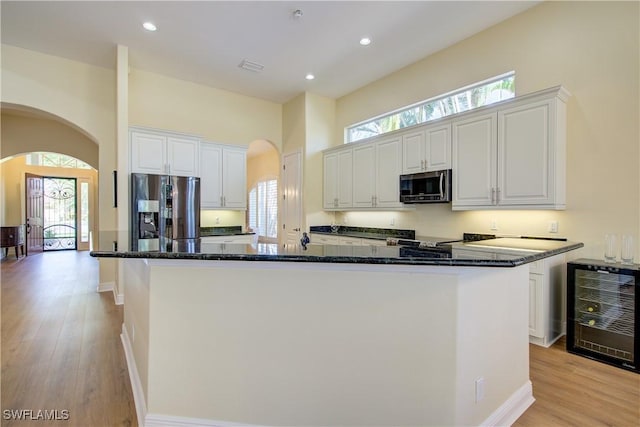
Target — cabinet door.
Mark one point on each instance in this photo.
(536, 305)
(210, 176)
(364, 176)
(474, 161)
(388, 165)
(148, 153)
(345, 179)
(413, 154)
(438, 147)
(234, 178)
(183, 156)
(330, 181)
(525, 155)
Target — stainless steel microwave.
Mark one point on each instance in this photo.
(426, 187)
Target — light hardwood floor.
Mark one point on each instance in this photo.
(61, 347)
(61, 350)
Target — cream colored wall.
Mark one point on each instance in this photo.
(217, 115)
(80, 94)
(23, 134)
(263, 166)
(308, 123)
(320, 113)
(592, 48)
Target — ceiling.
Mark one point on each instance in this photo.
(205, 41)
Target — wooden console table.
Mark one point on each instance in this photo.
(12, 236)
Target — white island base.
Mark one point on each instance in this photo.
(226, 343)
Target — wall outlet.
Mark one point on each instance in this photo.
(479, 389)
(393, 221)
(493, 225)
(553, 226)
(217, 220)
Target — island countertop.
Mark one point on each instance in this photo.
(487, 253)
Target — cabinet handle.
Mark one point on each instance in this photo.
(442, 186)
(497, 195)
(224, 200)
(422, 164)
(493, 196)
(221, 201)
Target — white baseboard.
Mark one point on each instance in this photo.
(106, 286)
(111, 286)
(157, 420)
(512, 408)
(119, 298)
(134, 377)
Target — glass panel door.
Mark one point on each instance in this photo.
(60, 227)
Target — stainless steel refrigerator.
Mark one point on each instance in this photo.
(165, 213)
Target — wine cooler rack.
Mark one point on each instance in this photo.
(602, 307)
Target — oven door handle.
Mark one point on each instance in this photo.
(442, 186)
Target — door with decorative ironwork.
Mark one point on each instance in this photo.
(34, 185)
(60, 219)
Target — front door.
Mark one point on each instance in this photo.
(34, 188)
(60, 225)
(292, 200)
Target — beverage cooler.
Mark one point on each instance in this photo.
(602, 312)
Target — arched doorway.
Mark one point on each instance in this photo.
(28, 132)
(263, 172)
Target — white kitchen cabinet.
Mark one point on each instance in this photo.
(531, 154)
(512, 156)
(338, 179)
(335, 239)
(364, 175)
(474, 160)
(324, 239)
(376, 171)
(547, 289)
(427, 149)
(223, 180)
(163, 153)
(234, 238)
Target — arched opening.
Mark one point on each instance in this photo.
(31, 141)
(263, 176)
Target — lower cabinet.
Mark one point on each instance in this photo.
(547, 293)
(235, 238)
(326, 239)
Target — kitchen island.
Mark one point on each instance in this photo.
(329, 335)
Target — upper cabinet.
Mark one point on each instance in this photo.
(427, 149)
(513, 155)
(338, 179)
(163, 153)
(223, 178)
(376, 170)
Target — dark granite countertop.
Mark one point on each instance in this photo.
(363, 232)
(457, 254)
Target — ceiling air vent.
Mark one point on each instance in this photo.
(251, 66)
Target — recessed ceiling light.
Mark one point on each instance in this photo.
(309, 76)
(365, 41)
(149, 26)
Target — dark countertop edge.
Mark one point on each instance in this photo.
(341, 260)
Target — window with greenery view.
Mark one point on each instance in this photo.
(55, 160)
(477, 95)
